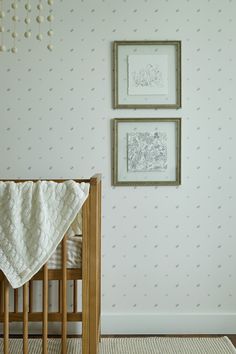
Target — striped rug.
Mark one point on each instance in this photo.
(147, 345)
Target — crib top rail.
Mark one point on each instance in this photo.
(94, 180)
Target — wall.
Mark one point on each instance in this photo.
(169, 262)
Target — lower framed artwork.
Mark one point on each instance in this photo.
(146, 151)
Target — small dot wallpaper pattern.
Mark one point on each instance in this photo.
(165, 250)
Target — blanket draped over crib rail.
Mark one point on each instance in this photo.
(34, 216)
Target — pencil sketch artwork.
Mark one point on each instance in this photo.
(147, 74)
(147, 152)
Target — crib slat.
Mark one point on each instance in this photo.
(31, 296)
(60, 296)
(75, 296)
(6, 317)
(64, 296)
(1, 296)
(45, 309)
(16, 300)
(25, 317)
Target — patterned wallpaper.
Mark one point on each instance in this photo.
(166, 251)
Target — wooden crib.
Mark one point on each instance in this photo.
(89, 273)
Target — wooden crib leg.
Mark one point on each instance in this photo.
(25, 317)
(64, 296)
(6, 317)
(45, 309)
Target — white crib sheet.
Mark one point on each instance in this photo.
(74, 254)
(74, 247)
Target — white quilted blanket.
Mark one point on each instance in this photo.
(33, 220)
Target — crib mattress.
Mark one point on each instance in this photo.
(74, 254)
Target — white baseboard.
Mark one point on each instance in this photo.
(187, 323)
(146, 323)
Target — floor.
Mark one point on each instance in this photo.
(232, 337)
(132, 344)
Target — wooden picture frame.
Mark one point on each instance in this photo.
(147, 74)
(146, 152)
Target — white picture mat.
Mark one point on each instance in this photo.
(125, 51)
(128, 127)
(148, 74)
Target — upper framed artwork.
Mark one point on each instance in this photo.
(146, 74)
(146, 151)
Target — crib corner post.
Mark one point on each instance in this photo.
(99, 257)
(64, 296)
(85, 280)
(95, 264)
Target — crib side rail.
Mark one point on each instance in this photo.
(93, 180)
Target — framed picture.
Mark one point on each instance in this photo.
(147, 74)
(146, 151)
